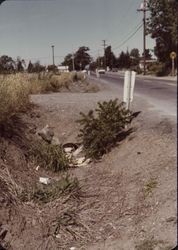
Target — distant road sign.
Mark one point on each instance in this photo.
(173, 55)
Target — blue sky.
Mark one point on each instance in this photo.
(28, 28)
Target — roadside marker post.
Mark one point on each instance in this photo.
(97, 74)
(173, 56)
(129, 84)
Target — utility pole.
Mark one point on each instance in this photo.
(104, 47)
(144, 9)
(98, 60)
(53, 53)
(73, 63)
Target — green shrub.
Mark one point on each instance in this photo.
(159, 69)
(102, 130)
(49, 156)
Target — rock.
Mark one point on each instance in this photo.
(44, 180)
(55, 141)
(46, 134)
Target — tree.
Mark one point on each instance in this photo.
(68, 61)
(20, 64)
(52, 68)
(7, 64)
(135, 53)
(135, 57)
(148, 55)
(30, 67)
(82, 58)
(124, 60)
(162, 25)
(35, 67)
(110, 57)
(1, 1)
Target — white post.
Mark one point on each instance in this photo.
(129, 89)
(129, 83)
(173, 67)
(97, 74)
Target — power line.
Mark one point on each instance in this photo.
(128, 34)
(120, 45)
(138, 26)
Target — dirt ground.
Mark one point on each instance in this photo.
(128, 198)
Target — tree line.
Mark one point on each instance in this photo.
(8, 66)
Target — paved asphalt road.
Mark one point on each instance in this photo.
(162, 94)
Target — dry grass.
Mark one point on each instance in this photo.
(15, 89)
(49, 82)
(14, 96)
(9, 188)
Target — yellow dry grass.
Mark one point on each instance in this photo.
(15, 89)
(14, 96)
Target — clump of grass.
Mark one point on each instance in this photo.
(149, 186)
(46, 193)
(50, 82)
(49, 156)
(14, 96)
(146, 245)
(10, 190)
(103, 129)
(151, 244)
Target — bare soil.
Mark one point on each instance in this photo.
(127, 200)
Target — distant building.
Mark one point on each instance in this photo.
(147, 62)
(63, 68)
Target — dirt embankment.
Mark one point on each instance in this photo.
(125, 201)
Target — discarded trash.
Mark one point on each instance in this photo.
(37, 168)
(78, 151)
(70, 145)
(44, 180)
(68, 150)
(85, 163)
(80, 160)
(73, 248)
(58, 236)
